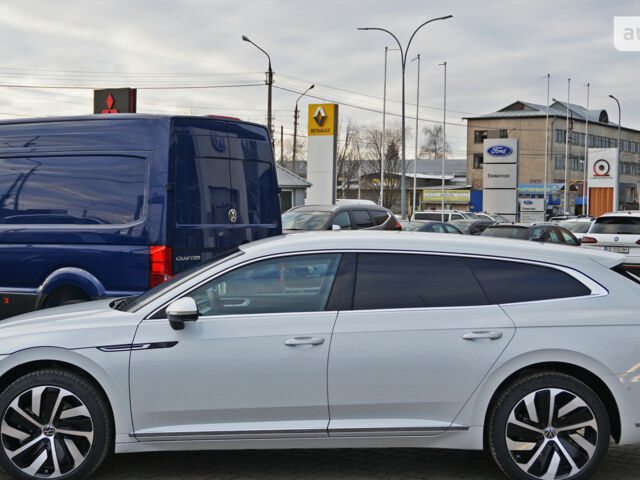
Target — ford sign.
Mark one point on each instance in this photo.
(499, 151)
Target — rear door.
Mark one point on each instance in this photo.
(201, 191)
(620, 234)
(254, 186)
(412, 351)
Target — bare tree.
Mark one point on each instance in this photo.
(349, 161)
(432, 146)
(392, 163)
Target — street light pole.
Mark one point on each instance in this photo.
(415, 158)
(295, 126)
(566, 155)
(616, 193)
(444, 137)
(546, 151)
(269, 84)
(585, 190)
(403, 56)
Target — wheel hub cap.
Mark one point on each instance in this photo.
(46, 431)
(551, 433)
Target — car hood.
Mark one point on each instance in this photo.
(82, 325)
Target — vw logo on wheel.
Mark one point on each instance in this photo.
(233, 215)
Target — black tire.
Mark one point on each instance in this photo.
(82, 438)
(545, 446)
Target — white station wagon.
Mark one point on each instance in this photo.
(370, 339)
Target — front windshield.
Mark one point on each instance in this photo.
(576, 227)
(133, 304)
(617, 225)
(305, 220)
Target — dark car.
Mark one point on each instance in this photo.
(473, 227)
(427, 226)
(542, 232)
(338, 217)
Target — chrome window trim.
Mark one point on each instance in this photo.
(596, 289)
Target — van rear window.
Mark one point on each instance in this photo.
(617, 225)
(75, 190)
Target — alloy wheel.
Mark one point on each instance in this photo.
(46, 431)
(551, 434)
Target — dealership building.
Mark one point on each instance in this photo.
(527, 122)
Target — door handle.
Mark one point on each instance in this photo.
(300, 341)
(482, 335)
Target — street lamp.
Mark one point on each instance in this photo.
(616, 193)
(403, 57)
(269, 83)
(295, 124)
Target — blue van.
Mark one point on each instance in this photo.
(111, 205)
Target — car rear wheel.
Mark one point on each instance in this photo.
(54, 424)
(548, 426)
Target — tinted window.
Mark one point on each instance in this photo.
(85, 190)
(414, 281)
(361, 219)
(437, 227)
(428, 216)
(566, 236)
(511, 282)
(291, 284)
(451, 229)
(379, 217)
(457, 216)
(342, 220)
(304, 220)
(576, 227)
(617, 225)
(253, 192)
(507, 232)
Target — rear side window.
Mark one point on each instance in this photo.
(414, 281)
(342, 220)
(361, 218)
(511, 282)
(76, 190)
(507, 232)
(428, 216)
(379, 217)
(617, 225)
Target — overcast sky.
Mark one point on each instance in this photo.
(497, 52)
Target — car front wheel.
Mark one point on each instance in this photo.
(54, 424)
(548, 426)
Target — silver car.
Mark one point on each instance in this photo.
(376, 339)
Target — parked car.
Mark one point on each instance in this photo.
(617, 232)
(577, 226)
(343, 216)
(541, 232)
(473, 227)
(494, 217)
(111, 205)
(449, 215)
(428, 226)
(375, 339)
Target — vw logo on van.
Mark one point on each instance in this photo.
(233, 215)
(499, 151)
(218, 142)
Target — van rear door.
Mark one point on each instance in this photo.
(254, 187)
(201, 181)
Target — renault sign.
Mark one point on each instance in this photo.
(322, 146)
(322, 119)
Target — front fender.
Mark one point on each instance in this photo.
(73, 276)
(109, 370)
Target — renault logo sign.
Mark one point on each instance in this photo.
(320, 116)
(322, 119)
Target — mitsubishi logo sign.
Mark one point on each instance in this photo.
(114, 100)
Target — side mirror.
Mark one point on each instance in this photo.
(182, 310)
(336, 227)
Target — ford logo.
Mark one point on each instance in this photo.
(499, 151)
(528, 202)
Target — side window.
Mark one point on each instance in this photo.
(418, 281)
(361, 219)
(451, 229)
(291, 284)
(379, 216)
(456, 216)
(512, 282)
(437, 227)
(568, 239)
(552, 236)
(342, 219)
(538, 232)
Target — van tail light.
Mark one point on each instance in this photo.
(589, 240)
(160, 265)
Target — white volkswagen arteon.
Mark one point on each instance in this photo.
(375, 339)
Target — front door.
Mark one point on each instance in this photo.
(419, 340)
(254, 364)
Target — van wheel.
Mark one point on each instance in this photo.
(548, 425)
(54, 424)
(65, 296)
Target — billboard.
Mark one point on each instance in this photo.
(322, 145)
(500, 176)
(602, 170)
(532, 210)
(114, 100)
